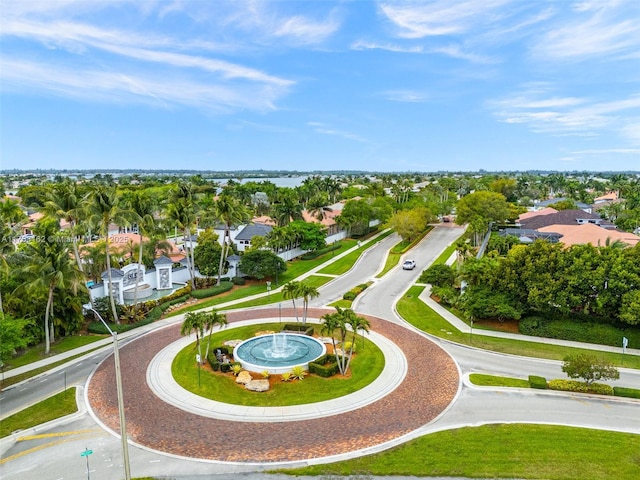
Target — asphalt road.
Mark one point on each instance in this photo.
(54, 453)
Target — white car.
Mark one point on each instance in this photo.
(409, 265)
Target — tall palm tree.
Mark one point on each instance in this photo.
(307, 292)
(51, 268)
(212, 319)
(291, 290)
(103, 209)
(194, 322)
(182, 213)
(287, 208)
(230, 212)
(64, 202)
(144, 208)
(10, 212)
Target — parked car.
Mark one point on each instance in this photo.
(409, 265)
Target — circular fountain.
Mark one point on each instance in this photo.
(278, 352)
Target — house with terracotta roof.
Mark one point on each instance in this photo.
(590, 233)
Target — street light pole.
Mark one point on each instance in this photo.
(123, 427)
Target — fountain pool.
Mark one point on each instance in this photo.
(278, 352)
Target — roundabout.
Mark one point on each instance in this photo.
(421, 383)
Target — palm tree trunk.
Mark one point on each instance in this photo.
(224, 240)
(47, 341)
(111, 299)
(135, 291)
(187, 234)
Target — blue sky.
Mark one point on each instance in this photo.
(326, 85)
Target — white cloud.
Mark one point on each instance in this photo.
(456, 51)
(391, 47)
(128, 87)
(324, 129)
(569, 115)
(441, 17)
(598, 28)
(622, 151)
(405, 96)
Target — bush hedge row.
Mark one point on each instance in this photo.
(576, 386)
(537, 382)
(318, 253)
(210, 292)
(355, 291)
(325, 366)
(626, 392)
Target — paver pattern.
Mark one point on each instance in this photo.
(430, 386)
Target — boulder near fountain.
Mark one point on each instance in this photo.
(278, 352)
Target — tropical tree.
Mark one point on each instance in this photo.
(103, 209)
(339, 322)
(230, 212)
(181, 211)
(212, 319)
(195, 322)
(51, 268)
(261, 263)
(65, 202)
(307, 292)
(144, 208)
(287, 208)
(291, 290)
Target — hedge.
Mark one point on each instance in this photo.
(210, 292)
(100, 329)
(355, 291)
(581, 387)
(325, 366)
(537, 382)
(626, 392)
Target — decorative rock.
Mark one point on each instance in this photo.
(232, 343)
(257, 385)
(325, 339)
(243, 377)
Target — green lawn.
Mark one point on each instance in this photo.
(483, 380)
(60, 405)
(365, 367)
(413, 310)
(502, 451)
(33, 354)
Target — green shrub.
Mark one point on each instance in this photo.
(215, 364)
(537, 382)
(298, 372)
(626, 392)
(581, 387)
(226, 367)
(238, 281)
(325, 366)
(210, 292)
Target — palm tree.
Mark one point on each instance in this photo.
(292, 290)
(103, 209)
(212, 319)
(10, 212)
(51, 268)
(64, 202)
(194, 322)
(288, 208)
(356, 323)
(230, 212)
(330, 323)
(144, 208)
(181, 211)
(307, 291)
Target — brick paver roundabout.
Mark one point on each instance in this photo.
(429, 387)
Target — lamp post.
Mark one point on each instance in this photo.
(123, 427)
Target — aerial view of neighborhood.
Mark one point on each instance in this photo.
(319, 239)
